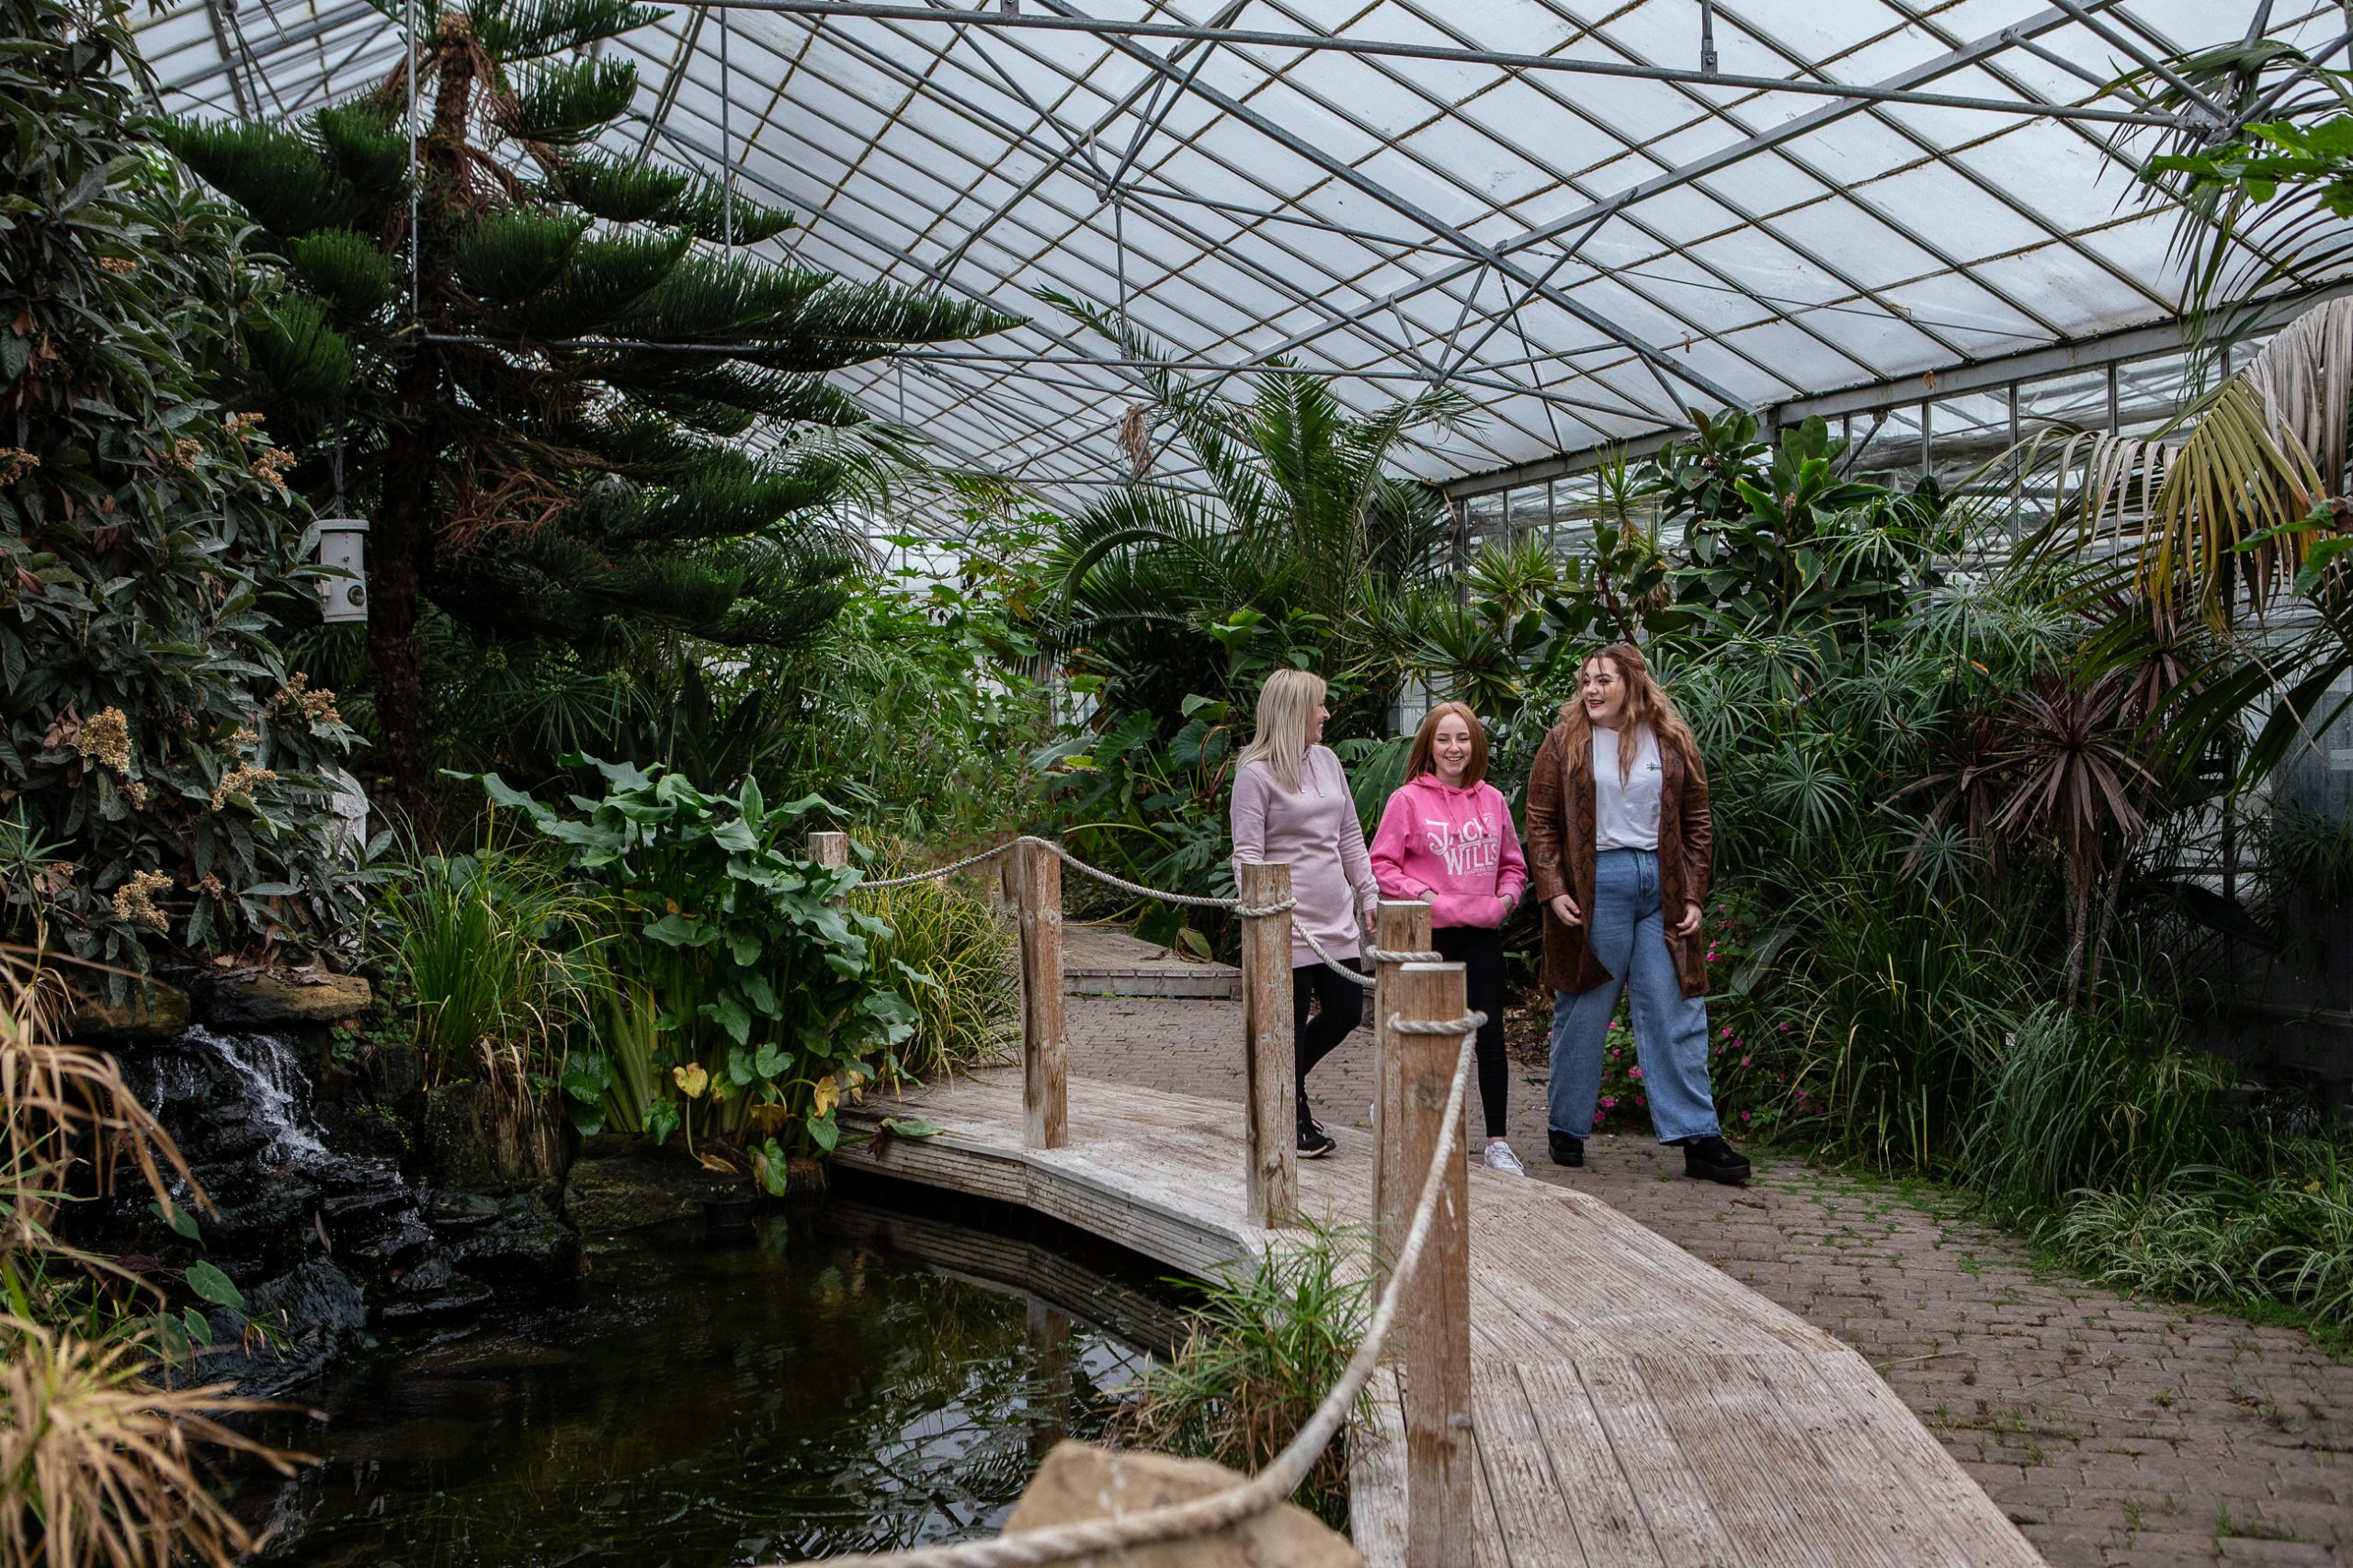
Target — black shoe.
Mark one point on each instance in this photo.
(1566, 1151)
(1313, 1141)
(1713, 1159)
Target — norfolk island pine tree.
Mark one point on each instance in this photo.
(547, 473)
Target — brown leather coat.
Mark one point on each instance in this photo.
(1561, 856)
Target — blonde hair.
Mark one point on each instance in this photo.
(1423, 758)
(1279, 737)
(1648, 706)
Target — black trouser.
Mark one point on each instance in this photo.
(1343, 1010)
(1481, 953)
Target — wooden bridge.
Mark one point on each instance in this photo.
(1570, 1388)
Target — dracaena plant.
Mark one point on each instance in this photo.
(743, 996)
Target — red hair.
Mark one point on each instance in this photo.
(1423, 759)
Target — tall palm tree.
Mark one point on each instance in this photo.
(1298, 533)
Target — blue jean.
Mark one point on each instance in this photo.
(1628, 933)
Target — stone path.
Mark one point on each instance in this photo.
(2114, 1431)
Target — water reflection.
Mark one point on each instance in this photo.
(806, 1394)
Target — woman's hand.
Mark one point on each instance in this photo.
(1565, 911)
(1689, 923)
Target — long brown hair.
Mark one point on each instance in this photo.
(1648, 706)
(1423, 758)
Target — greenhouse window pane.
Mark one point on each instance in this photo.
(2077, 399)
(1890, 445)
(1528, 511)
(2151, 393)
(1965, 434)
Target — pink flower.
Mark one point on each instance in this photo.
(1640, 1101)
(1633, 1072)
(1613, 1053)
(1745, 1115)
(1785, 1028)
(1737, 1044)
(1744, 1060)
(1607, 1103)
(1727, 1031)
(1600, 1117)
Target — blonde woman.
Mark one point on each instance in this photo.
(1620, 843)
(1292, 802)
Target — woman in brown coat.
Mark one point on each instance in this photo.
(1619, 846)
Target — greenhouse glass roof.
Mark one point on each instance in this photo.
(1590, 214)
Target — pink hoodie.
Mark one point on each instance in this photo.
(1454, 847)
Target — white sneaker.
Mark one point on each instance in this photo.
(1500, 1158)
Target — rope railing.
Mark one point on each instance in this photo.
(1369, 953)
(1283, 1474)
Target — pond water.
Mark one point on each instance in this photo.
(806, 1392)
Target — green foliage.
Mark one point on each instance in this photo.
(496, 484)
(1265, 1345)
(1165, 593)
(154, 738)
(2083, 1100)
(733, 962)
(477, 945)
(951, 958)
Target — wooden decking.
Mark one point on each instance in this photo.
(1632, 1404)
(1107, 960)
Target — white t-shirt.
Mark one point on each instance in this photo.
(1625, 816)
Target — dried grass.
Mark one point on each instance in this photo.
(97, 1466)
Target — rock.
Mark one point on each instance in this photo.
(259, 999)
(524, 1242)
(471, 1140)
(462, 1297)
(456, 1214)
(620, 1184)
(393, 1069)
(1080, 1482)
(292, 1329)
(152, 1011)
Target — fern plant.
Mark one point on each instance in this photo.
(486, 384)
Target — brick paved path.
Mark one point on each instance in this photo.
(2114, 1431)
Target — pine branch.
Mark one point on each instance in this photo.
(614, 190)
(768, 394)
(513, 30)
(561, 104)
(348, 274)
(514, 257)
(273, 173)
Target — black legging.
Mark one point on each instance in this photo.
(1343, 1010)
(1481, 953)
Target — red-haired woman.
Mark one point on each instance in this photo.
(1446, 837)
(1620, 841)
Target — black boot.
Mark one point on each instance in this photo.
(1313, 1141)
(1713, 1159)
(1566, 1151)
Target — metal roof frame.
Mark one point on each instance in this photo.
(1224, 176)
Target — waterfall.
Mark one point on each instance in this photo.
(278, 1092)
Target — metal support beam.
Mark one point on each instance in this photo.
(1299, 146)
(1711, 163)
(1250, 37)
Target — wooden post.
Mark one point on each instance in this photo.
(829, 848)
(1271, 1141)
(1045, 1062)
(1404, 927)
(1433, 1326)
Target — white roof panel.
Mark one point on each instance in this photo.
(1605, 230)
